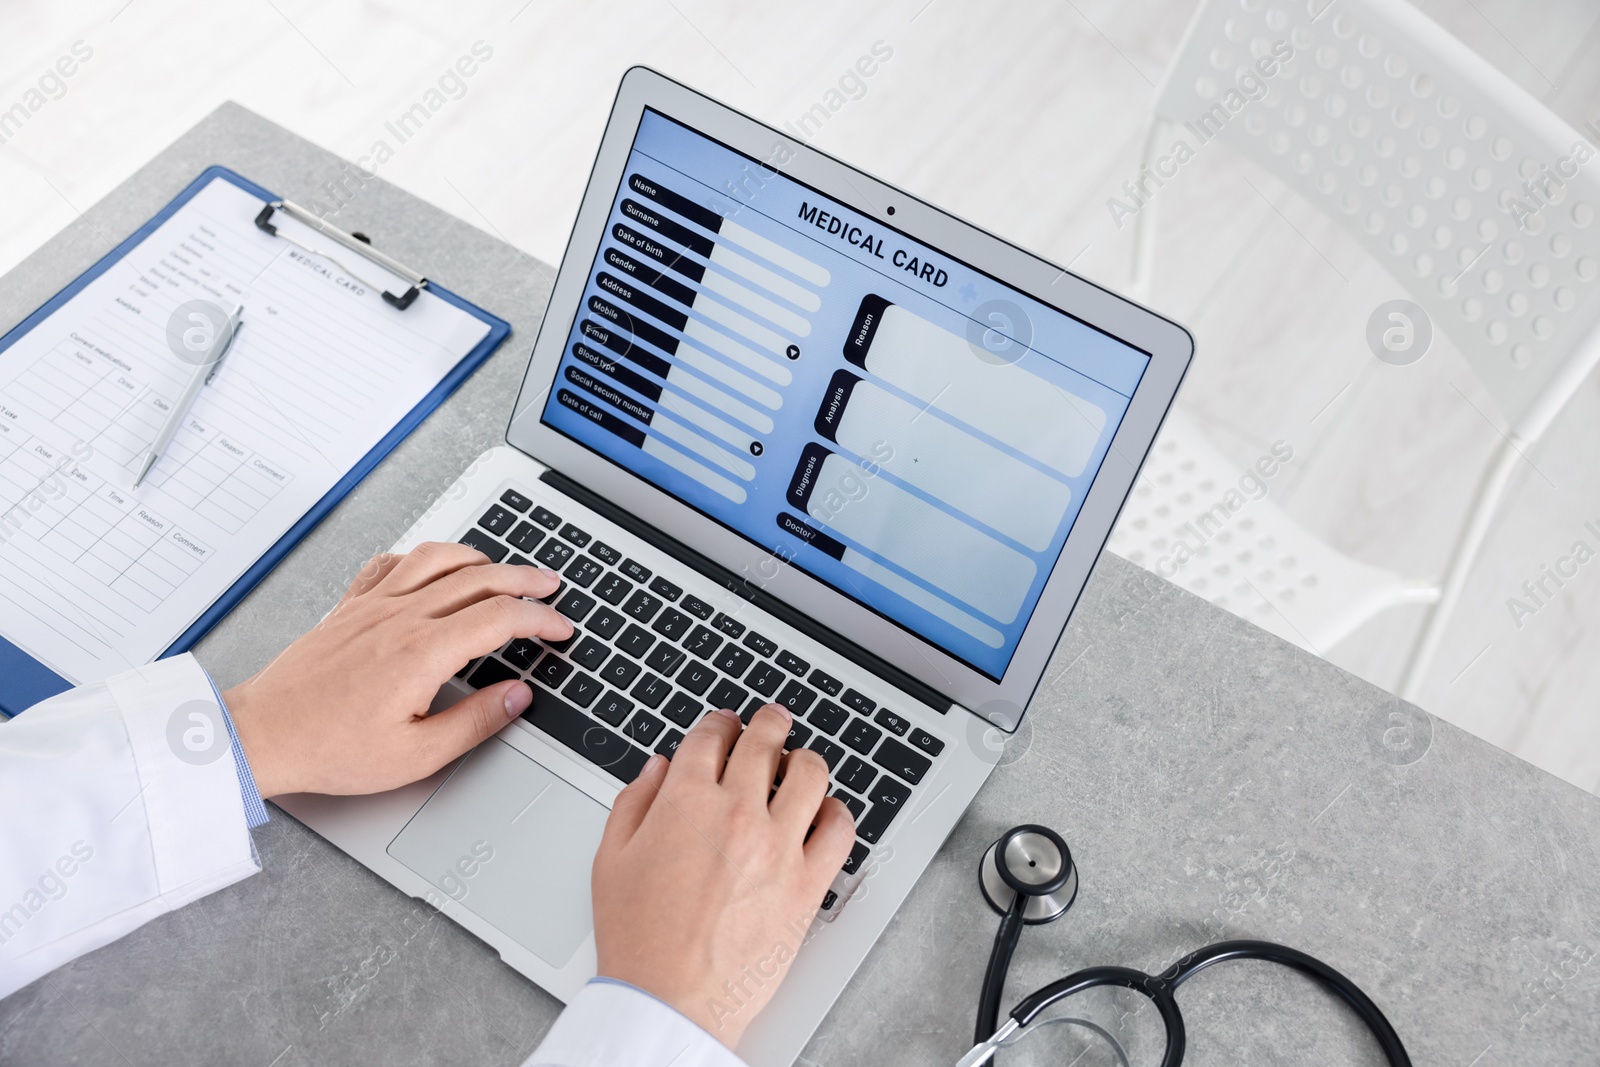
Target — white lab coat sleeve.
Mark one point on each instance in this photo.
(613, 1024)
(118, 802)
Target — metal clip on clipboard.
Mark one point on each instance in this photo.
(356, 243)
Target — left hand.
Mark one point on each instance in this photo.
(344, 709)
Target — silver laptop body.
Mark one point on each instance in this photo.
(790, 435)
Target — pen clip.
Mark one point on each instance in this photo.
(348, 240)
(227, 346)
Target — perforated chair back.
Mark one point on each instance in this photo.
(1479, 199)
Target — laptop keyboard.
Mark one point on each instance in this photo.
(646, 661)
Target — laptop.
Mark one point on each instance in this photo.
(789, 434)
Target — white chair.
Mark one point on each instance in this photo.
(1200, 521)
(1420, 150)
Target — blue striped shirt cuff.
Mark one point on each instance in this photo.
(255, 810)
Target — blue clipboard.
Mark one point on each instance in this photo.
(24, 681)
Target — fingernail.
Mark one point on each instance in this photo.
(548, 573)
(650, 764)
(781, 710)
(518, 697)
(729, 712)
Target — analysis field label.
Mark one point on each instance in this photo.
(943, 460)
(1003, 400)
(931, 544)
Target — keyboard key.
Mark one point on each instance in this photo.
(565, 643)
(515, 501)
(825, 682)
(666, 659)
(665, 589)
(696, 677)
(827, 750)
(590, 653)
(642, 606)
(858, 701)
(580, 733)
(621, 671)
(761, 645)
(856, 805)
(682, 709)
(697, 607)
(858, 856)
(635, 641)
(546, 518)
(891, 722)
(497, 520)
(750, 709)
(571, 533)
(669, 743)
(672, 624)
(887, 800)
(828, 717)
(464, 671)
(613, 708)
(551, 597)
(728, 624)
(703, 642)
(575, 605)
(526, 537)
(606, 623)
(799, 734)
(481, 541)
(584, 571)
(907, 763)
(828, 900)
(796, 697)
(582, 690)
(733, 661)
(490, 672)
(554, 554)
(517, 560)
(651, 691)
(727, 694)
(610, 556)
(644, 728)
(552, 670)
(861, 735)
(925, 742)
(793, 663)
(856, 774)
(635, 570)
(522, 652)
(764, 679)
(613, 589)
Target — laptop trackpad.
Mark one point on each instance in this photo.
(513, 843)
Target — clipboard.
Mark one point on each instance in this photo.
(24, 681)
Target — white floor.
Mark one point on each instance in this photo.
(1023, 116)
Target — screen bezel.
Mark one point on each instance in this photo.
(1169, 346)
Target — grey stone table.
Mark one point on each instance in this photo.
(1212, 781)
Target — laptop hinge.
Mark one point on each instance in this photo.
(759, 597)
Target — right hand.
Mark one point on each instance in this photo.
(703, 890)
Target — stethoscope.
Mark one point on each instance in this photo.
(1029, 878)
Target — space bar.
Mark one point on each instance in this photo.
(584, 736)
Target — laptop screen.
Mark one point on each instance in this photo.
(897, 424)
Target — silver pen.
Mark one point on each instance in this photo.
(201, 376)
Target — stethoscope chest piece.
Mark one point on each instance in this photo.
(1034, 861)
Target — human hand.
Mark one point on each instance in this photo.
(703, 889)
(344, 709)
